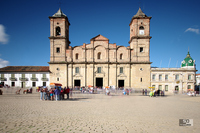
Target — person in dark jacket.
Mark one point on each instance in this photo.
(57, 93)
(67, 92)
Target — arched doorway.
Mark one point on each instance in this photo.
(176, 88)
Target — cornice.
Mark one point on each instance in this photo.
(64, 62)
(139, 37)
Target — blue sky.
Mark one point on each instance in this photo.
(24, 28)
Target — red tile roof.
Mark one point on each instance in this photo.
(25, 69)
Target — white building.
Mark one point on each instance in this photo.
(198, 79)
(24, 76)
(179, 79)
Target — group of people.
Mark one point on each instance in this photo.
(144, 92)
(155, 93)
(28, 91)
(56, 93)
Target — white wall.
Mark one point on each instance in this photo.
(28, 75)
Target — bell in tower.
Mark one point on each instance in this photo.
(59, 36)
(140, 36)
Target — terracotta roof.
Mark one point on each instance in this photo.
(25, 69)
(99, 37)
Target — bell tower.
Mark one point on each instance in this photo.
(59, 36)
(140, 37)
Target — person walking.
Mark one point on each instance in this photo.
(57, 93)
(145, 92)
(45, 93)
(41, 93)
(67, 92)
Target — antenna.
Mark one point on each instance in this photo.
(176, 63)
(169, 62)
(160, 63)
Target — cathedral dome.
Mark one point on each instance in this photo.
(188, 61)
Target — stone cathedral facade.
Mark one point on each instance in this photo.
(101, 63)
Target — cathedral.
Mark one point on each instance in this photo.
(101, 63)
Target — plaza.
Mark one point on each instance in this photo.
(98, 113)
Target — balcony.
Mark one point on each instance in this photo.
(23, 79)
(34, 79)
(13, 79)
(44, 79)
(3, 79)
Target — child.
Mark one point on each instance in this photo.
(51, 94)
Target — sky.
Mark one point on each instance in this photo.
(25, 28)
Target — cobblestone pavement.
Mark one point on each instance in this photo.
(92, 113)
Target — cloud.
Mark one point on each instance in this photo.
(3, 35)
(3, 63)
(192, 30)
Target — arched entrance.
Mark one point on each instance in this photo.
(176, 88)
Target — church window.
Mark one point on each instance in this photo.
(121, 56)
(141, 30)
(77, 70)
(141, 49)
(57, 79)
(177, 77)
(98, 69)
(76, 56)
(57, 50)
(189, 77)
(121, 69)
(99, 55)
(58, 31)
(140, 79)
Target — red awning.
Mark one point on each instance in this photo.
(56, 84)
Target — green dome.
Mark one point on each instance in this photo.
(188, 61)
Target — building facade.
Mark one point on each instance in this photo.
(179, 79)
(24, 76)
(100, 63)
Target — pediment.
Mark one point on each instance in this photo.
(77, 75)
(121, 75)
(99, 38)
